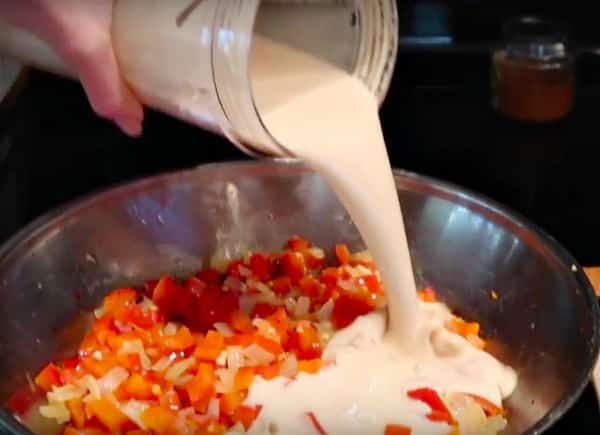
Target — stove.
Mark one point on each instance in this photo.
(54, 149)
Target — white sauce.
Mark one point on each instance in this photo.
(330, 119)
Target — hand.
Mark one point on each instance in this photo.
(79, 32)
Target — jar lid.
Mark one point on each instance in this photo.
(536, 38)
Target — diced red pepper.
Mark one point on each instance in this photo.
(240, 322)
(260, 266)
(243, 378)
(165, 296)
(330, 276)
(48, 377)
(149, 287)
(202, 387)
(182, 340)
(210, 347)
(263, 310)
(246, 415)
(346, 308)
(439, 411)
(373, 284)
(22, 400)
(305, 341)
(282, 285)
(269, 372)
(310, 287)
(293, 265)
(315, 422)
(207, 305)
(117, 299)
(230, 402)
(135, 315)
(397, 429)
(343, 254)
(280, 322)
(209, 276)
(297, 244)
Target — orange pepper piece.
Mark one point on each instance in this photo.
(182, 340)
(48, 377)
(230, 402)
(246, 415)
(397, 429)
(159, 420)
(243, 378)
(210, 347)
(343, 254)
(108, 414)
(77, 411)
(201, 389)
(310, 366)
(138, 387)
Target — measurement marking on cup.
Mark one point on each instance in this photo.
(184, 15)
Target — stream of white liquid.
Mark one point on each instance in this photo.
(330, 120)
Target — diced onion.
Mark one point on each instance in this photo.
(238, 429)
(56, 411)
(317, 253)
(235, 357)
(164, 363)
(362, 256)
(223, 329)
(244, 271)
(363, 271)
(136, 347)
(112, 380)
(263, 288)
(257, 356)
(289, 368)
(89, 383)
(147, 304)
(348, 285)
(179, 368)
(326, 330)
(65, 393)
(225, 380)
(134, 410)
(222, 359)
(232, 283)
(123, 327)
(290, 304)
(302, 307)
(325, 312)
(265, 329)
(213, 409)
(99, 312)
(170, 329)
(183, 380)
(247, 303)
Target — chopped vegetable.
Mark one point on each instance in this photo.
(180, 357)
(439, 411)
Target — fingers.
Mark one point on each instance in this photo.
(109, 95)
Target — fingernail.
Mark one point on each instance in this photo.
(131, 126)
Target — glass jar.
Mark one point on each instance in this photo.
(533, 76)
(191, 58)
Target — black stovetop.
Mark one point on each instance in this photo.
(53, 149)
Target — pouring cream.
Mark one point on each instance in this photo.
(330, 119)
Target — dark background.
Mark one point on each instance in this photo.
(438, 121)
